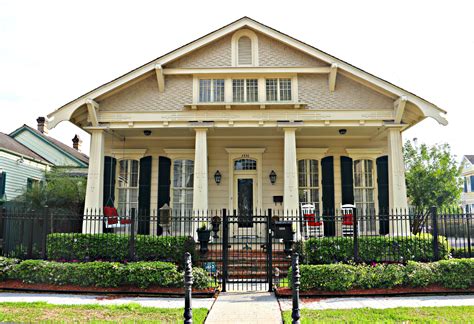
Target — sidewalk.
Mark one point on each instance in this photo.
(71, 299)
(245, 307)
(382, 302)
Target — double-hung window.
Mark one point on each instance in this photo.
(128, 187)
(278, 89)
(211, 90)
(364, 193)
(245, 90)
(308, 182)
(183, 177)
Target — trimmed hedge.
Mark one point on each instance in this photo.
(6, 264)
(115, 247)
(374, 249)
(105, 274)
(454, 273)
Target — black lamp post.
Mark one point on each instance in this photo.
(273, 177)
(217, 177)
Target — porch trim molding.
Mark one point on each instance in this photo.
(180, 153)
(364, 153)
(121, 154)
(311, 153)
(246, 153)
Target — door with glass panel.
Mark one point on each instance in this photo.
(182, 191)
(128, 187)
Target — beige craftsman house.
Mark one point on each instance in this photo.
(247, 118)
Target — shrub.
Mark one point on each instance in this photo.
(115, 247)
(379, 276)
(105, 274)
(5, 266)
(419, 274)
(454, 273)
(374, 249)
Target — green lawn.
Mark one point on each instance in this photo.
(129, 313)
(461, 314)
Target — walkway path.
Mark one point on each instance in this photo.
(245, 307)
(383, 302)
(70, 299)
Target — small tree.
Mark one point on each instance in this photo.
(433, 178)
(61, 190)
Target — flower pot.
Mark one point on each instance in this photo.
(204, 236)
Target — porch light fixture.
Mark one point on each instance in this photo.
(147, 132)
(273, 177)
(217, 177)
(342, 131)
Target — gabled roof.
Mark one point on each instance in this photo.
(11, 145)
(428, 109)
(75, 155)
(470, 158)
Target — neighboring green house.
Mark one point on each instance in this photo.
(26, 154)
(54, 151)
(20, 167)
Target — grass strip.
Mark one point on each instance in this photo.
(127, 313)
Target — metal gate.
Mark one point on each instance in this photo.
(247, 252)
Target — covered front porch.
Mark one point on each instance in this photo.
(197, 167)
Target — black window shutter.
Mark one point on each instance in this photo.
(164, 181)
(382, 184)
(110, 164)
(472, 183)
(465, 184)
(3, 184)
(327, 181)
(144, 193)
(347, 183)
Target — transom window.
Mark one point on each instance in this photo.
(308, 182)
(183, 179)
(364, 189)
(278, 89)
(245, 164)
(245, 90)
(128, 187)
(211, 90)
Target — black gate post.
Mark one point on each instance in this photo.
(468, 223)
(188, 283)
(269, 251)
(295, 269)
(44, 236)
(355, 235)
(225, 249)
(434, 221)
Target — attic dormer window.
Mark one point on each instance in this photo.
(244, 51)
(244, 48)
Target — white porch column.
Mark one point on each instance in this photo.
(95, 183)
(290, 192)
(396, 180)
(200, 187)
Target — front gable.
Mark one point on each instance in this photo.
(319, 82)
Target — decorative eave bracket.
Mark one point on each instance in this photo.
(332, 77)
(399, 106)
(92, 107)
(160, 78)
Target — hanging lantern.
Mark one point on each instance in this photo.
(217, 177)
(273, 177)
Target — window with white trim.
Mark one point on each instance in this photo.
(128, 187)
(364, 193)
(245, 165)
(278, 89)
(211, 90)
(245, 90)
(183, 178)
(308, 182)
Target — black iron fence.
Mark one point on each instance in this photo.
(236, 249)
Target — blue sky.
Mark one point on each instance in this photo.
(54, 51)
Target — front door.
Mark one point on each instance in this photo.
(245, 203)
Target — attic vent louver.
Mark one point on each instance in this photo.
(245, 51)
